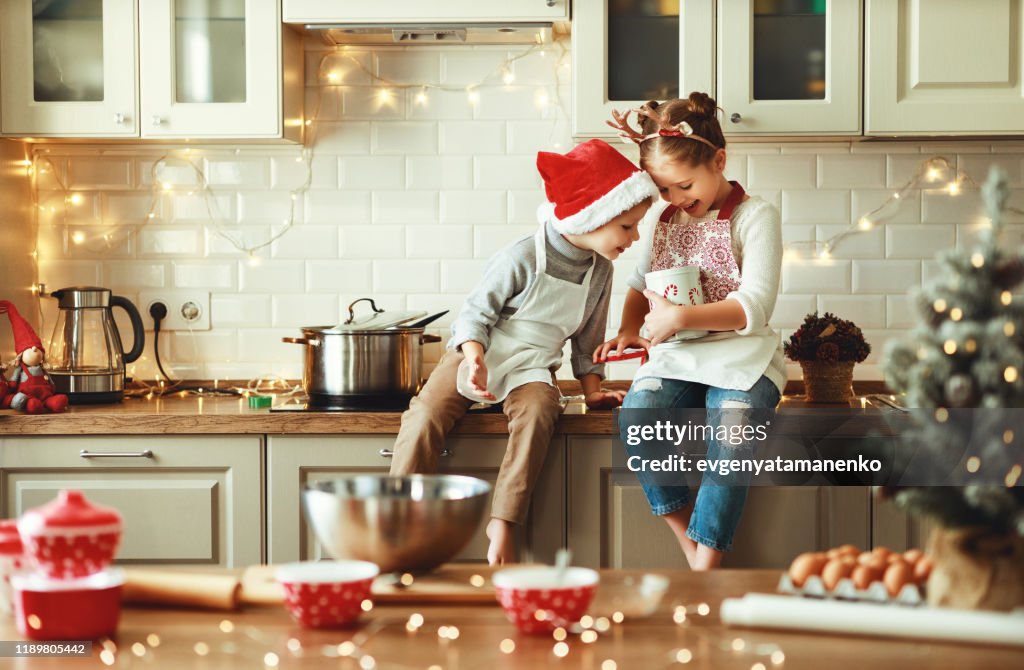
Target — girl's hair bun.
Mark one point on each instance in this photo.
(702, 104)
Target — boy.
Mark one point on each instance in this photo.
(507, 340)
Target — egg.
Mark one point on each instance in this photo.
(912, 556)
(849, 550)
(805, 565)
(863, 575)
(872, 560)
(881, 551)
(896, 575)
(836, 569)
(922, 569)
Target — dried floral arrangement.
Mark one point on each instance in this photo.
(827, 339)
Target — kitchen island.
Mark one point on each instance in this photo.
(266, 637)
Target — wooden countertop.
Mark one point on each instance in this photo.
(177, 414)
(653, 642)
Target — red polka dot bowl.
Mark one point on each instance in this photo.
(86, 608)
(537, 602)
(69, 537)
(327, 594)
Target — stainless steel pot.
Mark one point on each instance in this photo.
(347, 366)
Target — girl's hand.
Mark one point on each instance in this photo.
(618, 344)
(665, 318)
(476, 377)
(604, 399)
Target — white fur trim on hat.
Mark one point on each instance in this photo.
(628, 193)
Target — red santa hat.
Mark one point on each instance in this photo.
(24, 336)
(589, 186)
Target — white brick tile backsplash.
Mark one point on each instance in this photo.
(166, 240)
(439, 242)
(815, 206)
(472, 138)
(878, 340)
(208, 276)
(248, 173)
(346, 138)
(408, 200)
(403, 138)
(771, 172)
(813, 276)
(276, 277)
(337, 207)
(867, 311)
(506, 172)
(346, 276)
(372, 241)
(918, 241)
(135, 274)
(233, 310)
(837, 171)
(888, 276)
(406, 276)
(439, 172)
(460, 276)
(489, 239)
(307, 242)
(103, 173)
(475, 207)
(303, 310)
(371, 172)
(438, 105)
(406, 207)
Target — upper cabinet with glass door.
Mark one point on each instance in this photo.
(69, 68)
(151, 69)
(789, 67)
(626, 52)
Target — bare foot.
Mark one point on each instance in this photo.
(503, 546)
(679, 521)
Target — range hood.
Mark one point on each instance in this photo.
(397, 34)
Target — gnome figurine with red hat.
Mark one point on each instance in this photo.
(28, 383)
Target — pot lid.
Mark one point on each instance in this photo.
(10, 541)
(70, 510)
(370, 322)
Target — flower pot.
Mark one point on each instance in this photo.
(828, 382)
(975, 568)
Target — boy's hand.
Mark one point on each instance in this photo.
(604, 399)
(665, 318)
(618, 344)
(476, 378)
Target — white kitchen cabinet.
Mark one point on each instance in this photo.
(626, 52)
(158, 69)
(611, 525)
(185, 499)
(944, 67)
(429, 11)
(70, 70)
(789, 67)
(294, 461)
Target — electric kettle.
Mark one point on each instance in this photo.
(85, 358)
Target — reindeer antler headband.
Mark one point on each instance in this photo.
(665, 129)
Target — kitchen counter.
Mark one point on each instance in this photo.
(178, 414)
(250, 635)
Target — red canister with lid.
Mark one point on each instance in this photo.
(70, 537)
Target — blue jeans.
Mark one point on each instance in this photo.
(719, 505)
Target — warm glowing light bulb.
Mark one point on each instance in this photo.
(507, 76)
(167, 185)
(75, 199)
(333, 77)
(977, 260)
(421, 98)
(865, 223)
(78, 237)
(933, 174)
(954, 188)
(473, 96)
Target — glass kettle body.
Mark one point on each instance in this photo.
(86, 359)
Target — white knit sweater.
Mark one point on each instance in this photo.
(756, 229)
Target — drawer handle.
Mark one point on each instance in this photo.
(388, 453)
(85, 453)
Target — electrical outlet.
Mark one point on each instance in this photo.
(186, 310)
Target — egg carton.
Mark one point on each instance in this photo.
(910, 595)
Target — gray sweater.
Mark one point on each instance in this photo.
(511, 272)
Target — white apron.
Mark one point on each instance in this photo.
(721, 359)
(527, 346)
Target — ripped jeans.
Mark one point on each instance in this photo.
(719, 506)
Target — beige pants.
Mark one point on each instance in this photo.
(532, 410)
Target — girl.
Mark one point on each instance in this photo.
(736, 240)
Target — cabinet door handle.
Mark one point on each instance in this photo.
(551, 3)
(157, 121)
(388, 453)
(85, 453)
(735, 118)
(120, 118)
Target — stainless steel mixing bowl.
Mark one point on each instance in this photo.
(409, 524)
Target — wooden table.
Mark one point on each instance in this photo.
(641, 644)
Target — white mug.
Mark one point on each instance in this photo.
(680, 286)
